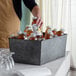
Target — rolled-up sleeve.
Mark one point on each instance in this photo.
(30, 4)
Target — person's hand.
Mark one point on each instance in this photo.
(36, 13)
(39, 22)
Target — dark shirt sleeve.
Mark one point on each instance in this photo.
(30, 4)
(17, 6)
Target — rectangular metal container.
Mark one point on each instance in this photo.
(38, 52)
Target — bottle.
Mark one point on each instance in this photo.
(34, 20)
(21, 36)
(47, 28)
(35, 28)
(28, 31)
(39, 35)
(26, 28)
(47, 36)
(13, 36)
(60, 32)
(54, 31)
(48, 33)
(32, 36)
(51, 34)
(34, 25)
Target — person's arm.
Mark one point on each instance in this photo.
(31, 4)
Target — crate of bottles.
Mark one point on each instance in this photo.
(37, 48)
(37, 51)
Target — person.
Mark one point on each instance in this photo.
(10, 16)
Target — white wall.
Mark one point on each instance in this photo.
(73, 13)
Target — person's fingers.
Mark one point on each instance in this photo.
(41, 24)
(38, 21)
